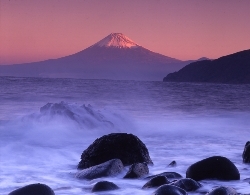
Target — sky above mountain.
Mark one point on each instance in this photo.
(39, 30)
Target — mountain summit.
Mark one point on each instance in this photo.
(118, 40)
(115, 57)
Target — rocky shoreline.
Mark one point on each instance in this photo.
(108, 155)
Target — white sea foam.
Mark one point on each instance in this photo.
(43, 149)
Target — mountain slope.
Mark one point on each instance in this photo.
(234, 68)
(114, 57)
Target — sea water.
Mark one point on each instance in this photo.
(185, 122)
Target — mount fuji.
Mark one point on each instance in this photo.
(114, 57)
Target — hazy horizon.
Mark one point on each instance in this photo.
(36, 31)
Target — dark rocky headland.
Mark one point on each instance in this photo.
(231, 69)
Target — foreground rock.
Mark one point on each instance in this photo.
(104, 186)
(137, 170)
(169, 175)
(127, 147)
(33, 189)
(246, 153)
(156, 182)
(109, 168)
(223, 191)
(187, 184)
(169, 190)
(215, 167)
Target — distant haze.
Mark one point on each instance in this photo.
(38, 30)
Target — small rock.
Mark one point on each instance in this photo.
(169, 175)
(187, 184)
(137, 170)
(33, 189)
(156, 182)
(169, 190)
(104, 186)
(172, 164)
(246, 153)
(223, 191)
(109, 168)
(246, 179)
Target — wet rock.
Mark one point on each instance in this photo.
(104, 186)
(223, 191)
(169, 175)
(246, 153)
(156, 182)
(33, 189)
(172, 164)
(215, 167)
(57, 109)
(85, 116)
(246, 180)
(137, 170)
(127, 147)
(187, 184)
(169, 190)
(109, 168)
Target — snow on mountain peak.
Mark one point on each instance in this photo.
(118, 40)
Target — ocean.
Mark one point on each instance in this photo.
(185, 122)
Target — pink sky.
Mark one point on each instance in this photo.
(183, 29)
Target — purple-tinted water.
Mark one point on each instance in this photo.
(184, 122)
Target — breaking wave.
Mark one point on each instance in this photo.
(85, 116)
(63, 122)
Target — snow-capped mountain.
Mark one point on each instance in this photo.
(118, 40)
(114, 57)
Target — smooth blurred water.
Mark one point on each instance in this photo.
(185, 122)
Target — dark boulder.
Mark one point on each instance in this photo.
(246, 153)
(33, 189)
(127, 147)
(169, 190)
(187, 184)
(215, 167)
(222, 191)
(137, 170)
(156, 182)
(109, 168)
(169, 175)
(104, 186)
